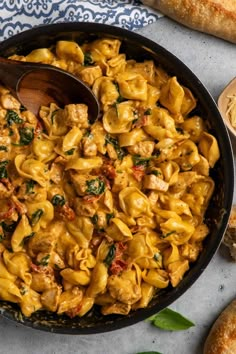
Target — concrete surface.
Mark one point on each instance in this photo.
(214, 62)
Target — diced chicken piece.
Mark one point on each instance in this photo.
(83, 208)
(79, 182)
(120, 181)
(143, 148)
(111, 152)
(9, 102)
(123, 289)
(42, 281)
(155, 183)
(89, 147)
(90, 74)
(50, 298)
(118, 308)
(76, 115)
(5, 192)
(56, 172)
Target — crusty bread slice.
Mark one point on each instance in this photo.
(222, 336)
(216, 17)
(230, 235)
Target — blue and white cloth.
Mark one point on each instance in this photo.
(19, 15)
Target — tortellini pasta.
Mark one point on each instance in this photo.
(104, 212)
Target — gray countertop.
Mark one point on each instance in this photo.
(214, 62)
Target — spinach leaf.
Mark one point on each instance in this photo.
(148, 112)
(3, 148)
(70, 152)
(9, 227)
(30, 186)
(12, 117)
(58, 200)
(26, 135)
(45, 260)
(36, 216)
(110, 255)
(170, 320)
(109, 217)
(3, 169)
(120, 98)
(88, 60)
(94, 219)
(26, 238)
(114, 142)
(140, 161)
(95, 186)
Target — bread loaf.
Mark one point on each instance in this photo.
(216, 17)
(222, 336)
(230, 234)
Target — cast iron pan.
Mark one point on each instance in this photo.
(136, 46)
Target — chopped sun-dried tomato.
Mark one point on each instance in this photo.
(138, 172)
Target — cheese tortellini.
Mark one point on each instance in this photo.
(103, 212)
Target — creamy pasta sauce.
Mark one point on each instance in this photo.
(108, 212)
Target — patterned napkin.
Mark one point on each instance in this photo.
(19, 15)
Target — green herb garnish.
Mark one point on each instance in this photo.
(30, 186)
(70, 152)
(45, 260)
(26, 238)
(120, 98)
(148, 112)
(168, 234)
(88, 60)
(26, 135)
(12, 117)
(94, 219)
(58, 200)
(3, 169)
(95, 186)
(53, 115)
(170, 320)
(110, 255)
(36, 216)
(156, 173)
(140, 161)
(3, 148)
(9, 227)
(114, 142)
(109, 217)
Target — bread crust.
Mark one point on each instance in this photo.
(222, 336)
(216, 17)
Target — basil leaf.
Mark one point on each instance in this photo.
(26, 135)
(170, 320)
(26, 238)
(36, 216)
(3, 169)
(110, 255)
(95, 186)
(114, 142)
(120, 98)
(12, 117)
(88, 60)
(58, 200)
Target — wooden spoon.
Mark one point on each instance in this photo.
(36, 84)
